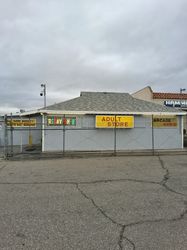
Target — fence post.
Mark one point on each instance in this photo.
(5, 138)
(30, 134)
(64, 132)
(43, 132)
(182, 129)
(11, 137)
(115, 137)
(153, 143)
(21, 137)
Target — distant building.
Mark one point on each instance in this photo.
(175, 100)
(168, 99)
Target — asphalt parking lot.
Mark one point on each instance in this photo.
(107, 203)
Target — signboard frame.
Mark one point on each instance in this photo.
(54, 120)
(114, 121)
(20, 123)
(165, 121)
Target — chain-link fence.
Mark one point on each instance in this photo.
(36, 135)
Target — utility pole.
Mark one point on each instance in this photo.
(183, 130)
(43, 93)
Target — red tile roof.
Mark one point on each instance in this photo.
(157, 95)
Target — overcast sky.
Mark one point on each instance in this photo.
(95, 45)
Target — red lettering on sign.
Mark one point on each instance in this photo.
(64, 121)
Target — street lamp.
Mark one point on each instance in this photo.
(181, 90)
(43, 93)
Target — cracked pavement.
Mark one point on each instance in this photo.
(96, 203)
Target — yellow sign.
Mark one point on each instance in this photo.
(21, 123)
(113, 121)
(164, 121)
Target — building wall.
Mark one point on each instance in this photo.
(145, 94)
(86, 137)
(21, 135)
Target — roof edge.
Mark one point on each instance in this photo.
(147, 87)
(169, 95)
(61, 112)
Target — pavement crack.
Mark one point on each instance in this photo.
(124, 226)
(172, 190)
(180, 217)
(119, 180)
(39, 183)
(122, 238)
(166, 177)
(4, 166)
(130, 242)
(96, 206)
(79, 183)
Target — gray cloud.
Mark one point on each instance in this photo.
(89, 45)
